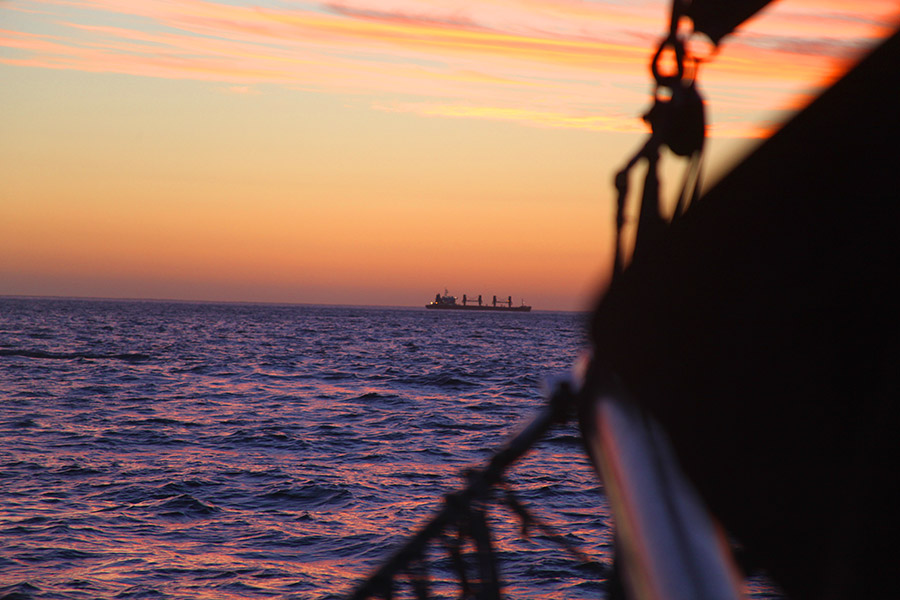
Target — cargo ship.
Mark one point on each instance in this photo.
(448, 302)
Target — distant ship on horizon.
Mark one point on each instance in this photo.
(448, 302)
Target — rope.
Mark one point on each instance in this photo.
(465, 511)
(677, 121)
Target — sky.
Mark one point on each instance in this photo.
(365, 152)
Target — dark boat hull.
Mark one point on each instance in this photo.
(762, 332)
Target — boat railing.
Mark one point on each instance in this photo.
(670, 549)
(464, 514)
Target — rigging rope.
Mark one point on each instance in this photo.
(465, 513)
(677, 121)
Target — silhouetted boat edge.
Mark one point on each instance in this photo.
(448, 302)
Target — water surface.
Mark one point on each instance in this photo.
(186, 450)
(195, 450)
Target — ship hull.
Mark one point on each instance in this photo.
(435, 306)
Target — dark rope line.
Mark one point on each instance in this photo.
(489, 578)
(454, 548)
(529, 519)
(417, 572)
(457, 506)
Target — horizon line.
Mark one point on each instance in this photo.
(262, 302)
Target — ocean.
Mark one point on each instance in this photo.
(154, 449)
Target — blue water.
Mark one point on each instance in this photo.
(195, 450)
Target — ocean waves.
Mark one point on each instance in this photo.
(126, 356)
(178, 450)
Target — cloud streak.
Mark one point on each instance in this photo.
(560, 64)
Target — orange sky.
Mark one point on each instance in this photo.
(356, 151)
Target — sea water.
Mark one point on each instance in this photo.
(198, 450)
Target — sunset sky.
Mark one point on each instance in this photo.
(357, 151)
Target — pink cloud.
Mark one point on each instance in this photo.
(551, 63)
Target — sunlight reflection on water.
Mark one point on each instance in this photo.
(245, 451)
